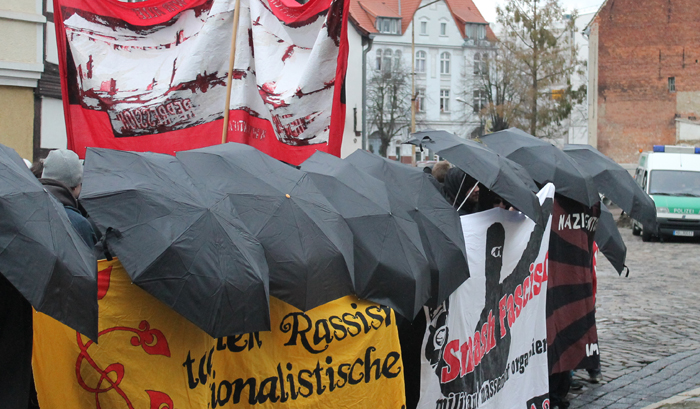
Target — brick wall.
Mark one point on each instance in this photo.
(641, 44)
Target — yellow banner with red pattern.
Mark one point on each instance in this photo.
(342, 354)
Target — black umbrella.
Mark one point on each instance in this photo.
(615, 183)
(610, 241)
(497, 173)
(412, 193)
(545, 163)
(177, 241)
(308, 245)
(41, 254)
(391, 267)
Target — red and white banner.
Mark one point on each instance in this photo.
(151, 76)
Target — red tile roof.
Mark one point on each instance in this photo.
(364, 13)
(465, 11)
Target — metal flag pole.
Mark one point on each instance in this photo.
(232, 59)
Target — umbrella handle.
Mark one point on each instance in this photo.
(103, 242)
(468, 194)
(459, 190)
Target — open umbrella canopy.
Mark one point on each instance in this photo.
(308, 245)
(412, 194)
(499, 174)
(180, 243)
(391, 267)
(610, 241)
(545, 163)
(41, 254)
(615, 183)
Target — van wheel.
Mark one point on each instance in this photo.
(636, 231)
(646, 236)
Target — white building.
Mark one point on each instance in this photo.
(578, 121)
(451, 37)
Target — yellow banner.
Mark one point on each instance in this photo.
(344, 354)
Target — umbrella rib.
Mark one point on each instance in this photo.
(175, 240)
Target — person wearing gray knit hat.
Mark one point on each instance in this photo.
(64, 166)
(63, 178)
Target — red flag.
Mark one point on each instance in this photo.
(151, 76)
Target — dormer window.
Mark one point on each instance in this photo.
(387, 25)
(475, 31)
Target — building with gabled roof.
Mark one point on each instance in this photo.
(451, 39)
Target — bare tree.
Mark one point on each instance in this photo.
(492, 89)
(537, 36)
(389, 103)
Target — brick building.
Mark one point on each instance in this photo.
(644, 76)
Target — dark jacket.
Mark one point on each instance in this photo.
(63, 194)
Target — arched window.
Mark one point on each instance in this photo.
(378, 64)
(397, 59)
(386, 63)
(421, 58)
(445, 63)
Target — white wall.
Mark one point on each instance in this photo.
(53, 124)
(21, 48)
(578, 122)
(353, 94)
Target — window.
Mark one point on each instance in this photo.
(397, 60)
(480, 64)
(424, 28)
(389, 25)
(443, 29)
(479, 101)
(444, 100)
(475, 31)
(378, 64)
(445, 63)
(420, 100)
(386, 63)
(421, 57)
(671, 84)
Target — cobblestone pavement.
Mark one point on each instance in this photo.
(648, 327)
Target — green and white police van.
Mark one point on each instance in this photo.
(671, 176)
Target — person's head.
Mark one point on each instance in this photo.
(440, 170)
(37, 168)
(64, 166)
(458, 185)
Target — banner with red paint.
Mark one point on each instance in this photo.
(151, 75)
(486, 346)
(344, 354)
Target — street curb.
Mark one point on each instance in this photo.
(650, 384)
(675, 399)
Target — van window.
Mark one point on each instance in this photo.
(644, 180)
(638, 177)
(675, 183)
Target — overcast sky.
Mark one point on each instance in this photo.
(488, 7)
